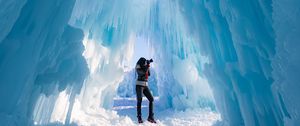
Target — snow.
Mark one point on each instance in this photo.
(123, 113)
(64, 62)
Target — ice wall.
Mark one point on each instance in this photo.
(40, 54)
(250, 60)
(285, 64)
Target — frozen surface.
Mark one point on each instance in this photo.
(62, 61)
(124, 114)
(40, 56)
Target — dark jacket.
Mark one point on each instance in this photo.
(141, 71)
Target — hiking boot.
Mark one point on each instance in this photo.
(140, 120)
(151, 119)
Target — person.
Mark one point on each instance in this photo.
(143, 71)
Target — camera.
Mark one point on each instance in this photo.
(149, 61)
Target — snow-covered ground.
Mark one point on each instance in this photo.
(126, 107)
(124, 114)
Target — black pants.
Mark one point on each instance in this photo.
(140, 90)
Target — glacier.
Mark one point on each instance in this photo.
(230, 62)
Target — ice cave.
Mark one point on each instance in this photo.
(216, 62)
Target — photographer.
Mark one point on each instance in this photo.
(143, 71)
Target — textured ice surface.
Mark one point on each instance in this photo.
(61, 61)
(40, 55)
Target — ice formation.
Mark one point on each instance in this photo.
(61, 61)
